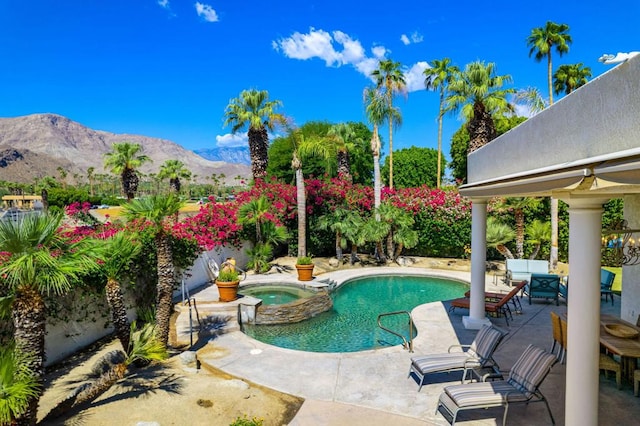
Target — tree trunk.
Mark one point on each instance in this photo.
(174, 185)
(481, 128)
(258, 150)
(390, 151)
(390, 249)
(344, 170)
(130, 183)
(302, 212)
(399, 248)
(164, 298)
(118, 312)
(535, 252)
(519, 218)
(377, 190)
(553, 255)
(440, 137)
(354, 254)
(339, 247)
(28, 313)
(504, 251)
(89, 392)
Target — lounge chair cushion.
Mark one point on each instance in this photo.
(483, 394)
(530, 369)
(486, 341)
(444, 362)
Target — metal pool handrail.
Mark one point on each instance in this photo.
(406, 345)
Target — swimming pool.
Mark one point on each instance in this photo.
(351, 325)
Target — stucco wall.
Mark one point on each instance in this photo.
(630, 305)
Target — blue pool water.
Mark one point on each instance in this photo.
(275, 294)
(351, 325)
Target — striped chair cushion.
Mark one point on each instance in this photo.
(484, 394)
(441, 362)
(530, 369)
(486, 341)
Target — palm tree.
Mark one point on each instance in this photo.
(400, 231)
(90, 171)
(18, 385)
(253, 213)
(63, 176)
(478, 93)
(40, 262)
(518, 205)
(157, 209)
(538, 232)
(343, 137)
(123, 160)
(376, 111)
(532, 98)
(390, 80)
(338, 222)
(174, 170)
(438, 77)
(145, 347)
(498, 235)
(253, 110)
(119, 252)
(567, 78)
(541, 42)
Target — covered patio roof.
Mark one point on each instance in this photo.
(588, 143)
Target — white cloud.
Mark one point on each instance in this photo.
(338, 48)
(414, 76)
(416, 37)
(164, 3)
(379, 51)
(230, 140)
(206, 12)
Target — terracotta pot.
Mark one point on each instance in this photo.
(228, 290)
(305, 272)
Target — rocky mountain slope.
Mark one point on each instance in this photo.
(236, 155)
(35, 145)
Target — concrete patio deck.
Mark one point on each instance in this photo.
(372, 388)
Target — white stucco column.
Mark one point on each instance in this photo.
(583, 312)
(477, 317)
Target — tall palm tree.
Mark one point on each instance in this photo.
(438, 77)
(253, 110)
(40, 262)
(567, 78)
(376, 111)
(390, 80)
(157, 209)
(541, 42)
(174, 170)
(123, 160)
(90, 177)
(119, 252)
(477, 92)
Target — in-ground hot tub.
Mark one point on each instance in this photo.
(286, 304)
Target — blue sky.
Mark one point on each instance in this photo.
(168, 68)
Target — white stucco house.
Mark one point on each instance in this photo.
(583, 150)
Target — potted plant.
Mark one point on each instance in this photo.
(304, 265)
(227, 282)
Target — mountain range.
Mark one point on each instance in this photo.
(37, 145)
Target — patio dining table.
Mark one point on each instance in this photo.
(627, 349)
